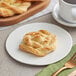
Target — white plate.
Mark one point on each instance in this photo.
(56, 16)
(64, 44)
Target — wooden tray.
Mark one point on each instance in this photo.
(35, 8)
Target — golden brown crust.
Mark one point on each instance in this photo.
(5, 12)
(34, 0)
(9, 1)
(31, 50)
(12, 7)
(39, 43)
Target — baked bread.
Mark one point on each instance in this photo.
(34, 0)
(4, 12)
(12, 7)
(39, 43)
(9, 1)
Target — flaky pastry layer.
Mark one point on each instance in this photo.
(13, 7)
(39, 43)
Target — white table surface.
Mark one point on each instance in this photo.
(10, 67)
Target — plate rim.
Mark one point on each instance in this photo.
(39, 64)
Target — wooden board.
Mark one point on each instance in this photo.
(35, 8)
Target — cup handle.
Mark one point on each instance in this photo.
(74, 13)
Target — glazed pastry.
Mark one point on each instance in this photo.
(12, 7)
(4, 12)
(34, 0)
(39, 43)
(9, 1)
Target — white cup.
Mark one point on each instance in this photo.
(67, 10)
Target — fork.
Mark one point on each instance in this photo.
(68, 65)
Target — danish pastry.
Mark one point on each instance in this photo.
(39, 43)
(34, 0)
(12, 7)
(6, 12)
